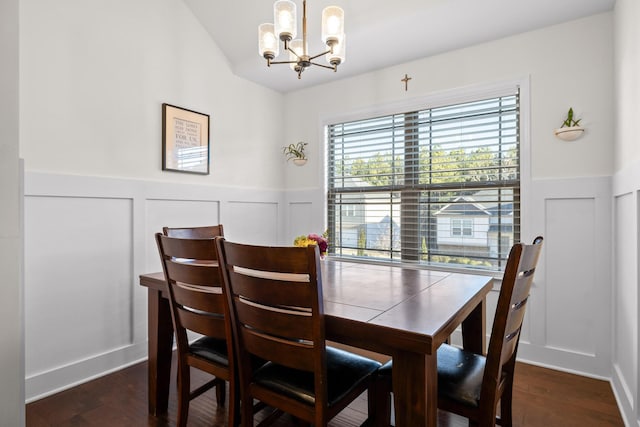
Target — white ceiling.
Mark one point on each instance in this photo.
(380, 33)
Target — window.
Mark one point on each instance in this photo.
(461, 227)
(348, 210)
(437, 186)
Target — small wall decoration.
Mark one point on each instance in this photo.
(570, 129)
(185, 140)
(296, 153)
(405, 80)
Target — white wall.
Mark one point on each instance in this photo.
(94, 76)
(627, 88)
(11, 298)
(560, 78)
(626, 212)
(568, 193)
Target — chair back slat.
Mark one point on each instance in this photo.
(189, 249)
(275, 259)
(204, 324)
(294, 354)
(206, 232)
(510, 311)
(198, 273)
(293, 323)
(272, 289)
(194, 297)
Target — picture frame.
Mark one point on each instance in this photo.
(185, 140)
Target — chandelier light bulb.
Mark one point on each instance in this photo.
(332, 24)
(297, 47)
(284, 16)
(268, 45)
(336, 56)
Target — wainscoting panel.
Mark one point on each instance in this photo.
(78, 263)
(255, 222)
(175, 213)
(305, 213)
(625, 378)
(301, 219)
(625, 315)
(571, 275)
(569, 313)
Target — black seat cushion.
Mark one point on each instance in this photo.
(212, 349)
(345, 371)
(459, 375)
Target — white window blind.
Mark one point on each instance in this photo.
(438, 186)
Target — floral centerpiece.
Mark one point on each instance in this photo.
(313, 239)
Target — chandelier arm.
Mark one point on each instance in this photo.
(319, 55)
(295, 53)
(284, 62)
(322, 65)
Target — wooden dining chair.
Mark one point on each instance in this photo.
(197, 304)
(472, 385)
(275, 300)
(205, 232)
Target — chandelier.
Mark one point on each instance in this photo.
(284, 29)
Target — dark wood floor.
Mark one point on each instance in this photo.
(542, 397)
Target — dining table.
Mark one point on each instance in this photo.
(399, 311)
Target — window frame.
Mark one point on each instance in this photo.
(439, 99)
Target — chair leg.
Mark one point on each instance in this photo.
(221, 390)
(379, 403)
(506, 415)
(506, 400)
(234, 400)
(246, 406)
(184, 392)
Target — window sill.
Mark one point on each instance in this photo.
(497, 275)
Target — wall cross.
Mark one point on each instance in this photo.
(406, 82)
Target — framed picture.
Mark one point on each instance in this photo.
(185, 140)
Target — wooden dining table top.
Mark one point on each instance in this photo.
(418, 309)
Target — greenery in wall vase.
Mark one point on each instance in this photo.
(296, 153)
(570, 129)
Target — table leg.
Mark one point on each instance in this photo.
(474, 332)
(415, 389)
(160, 333)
